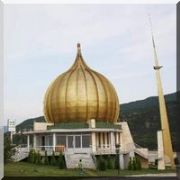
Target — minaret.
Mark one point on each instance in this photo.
(166, 137)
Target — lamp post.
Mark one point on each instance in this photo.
(117, 156)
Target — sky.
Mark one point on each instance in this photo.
(40, 43)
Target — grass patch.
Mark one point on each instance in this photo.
(28, 169)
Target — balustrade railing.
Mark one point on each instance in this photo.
(105, 149)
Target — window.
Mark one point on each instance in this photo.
(48, 140)
(77, 141)
(86, 141)
(70, 142)
(61, 140)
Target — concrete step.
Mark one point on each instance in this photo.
(72, 161)
(20, 154)
(141, 153)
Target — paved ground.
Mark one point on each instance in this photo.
(146, 177)
(162, 176)
(156, 175)
(95, 178)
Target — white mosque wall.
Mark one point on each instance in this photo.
(41, 126)
(127, 143)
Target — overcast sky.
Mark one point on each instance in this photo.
(40, 43)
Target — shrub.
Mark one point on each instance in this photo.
(35, 157)
(38, 158)
(130, 164)
(110, 163)
(31, 157)
(46, 159)
(101, 164)
(53, 159)
(138, 164)
(61, 161)
(134, 163)
(117, 166)
(9, 150)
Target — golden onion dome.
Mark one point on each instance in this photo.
(81, 94)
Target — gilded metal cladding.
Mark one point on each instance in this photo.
(81, 94)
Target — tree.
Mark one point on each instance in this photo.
(9, 150)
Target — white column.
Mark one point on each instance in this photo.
(121, 141)
(108, 139)
(109, 136)
(54, 141)
(121, 161)
(101, 135)
(28, 142)
(93, 136)
(34, 141)
(161, 159)
(117, 138)
(105, 139)
(112, 141)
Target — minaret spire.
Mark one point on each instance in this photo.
(168, 150)
(156, 66)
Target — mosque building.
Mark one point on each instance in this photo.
(81, 109)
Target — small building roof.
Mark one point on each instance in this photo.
(83, 125)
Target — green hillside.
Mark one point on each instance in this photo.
(28, 124)
(143, 119)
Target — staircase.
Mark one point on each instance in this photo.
(143, 152)
(72, 160)
(20, 153)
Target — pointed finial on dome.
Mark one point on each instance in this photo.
(79, 48)
(79, 59)
(78, 45)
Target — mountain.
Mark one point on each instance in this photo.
(143, 119)
(28, 124)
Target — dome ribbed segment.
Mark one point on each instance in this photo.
(81, 94)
